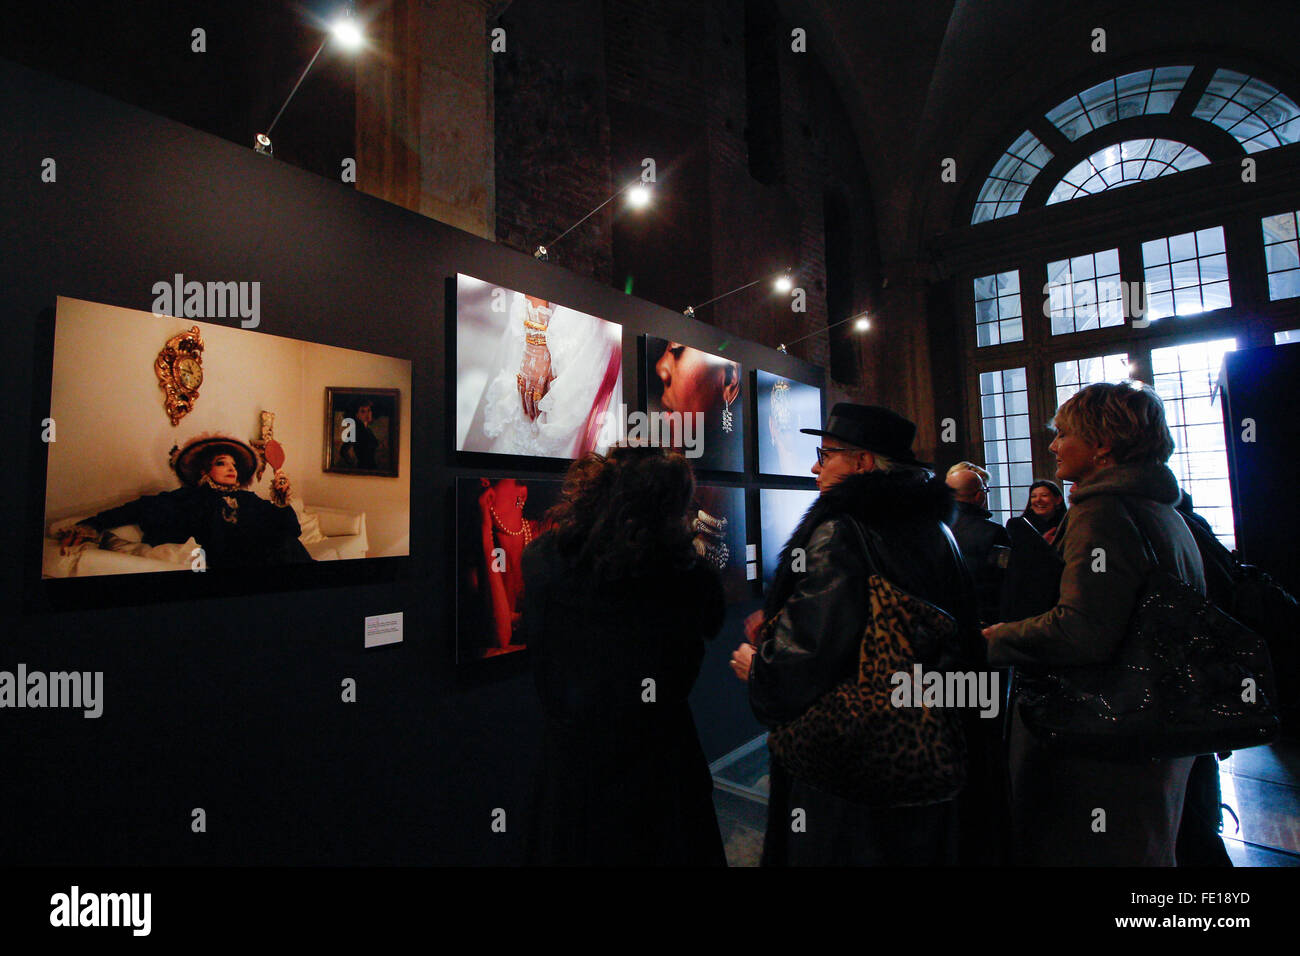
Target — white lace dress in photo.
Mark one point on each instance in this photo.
(586, 355)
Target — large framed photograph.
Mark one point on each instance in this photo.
(496, 519)
(362, 431)
(717, 519)
(779, 512)
(783, 407)
(185, 446)
(695, 397)
(533, 377)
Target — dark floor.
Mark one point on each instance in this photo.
(1260, 785)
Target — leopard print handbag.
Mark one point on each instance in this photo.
(853, 742)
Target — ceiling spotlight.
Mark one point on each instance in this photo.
(638, 196)
(347, 32)
(862, 324)
(784, 283)
(540, 254)
(689, 311)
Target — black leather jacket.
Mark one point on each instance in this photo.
(977, 536)
(817, 614)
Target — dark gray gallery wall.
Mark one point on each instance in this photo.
(225, 694)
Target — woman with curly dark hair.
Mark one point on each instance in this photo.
(617, 608)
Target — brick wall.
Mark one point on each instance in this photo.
(668, 77)
(552, 132)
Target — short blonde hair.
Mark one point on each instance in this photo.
(1129, 417)
(968, 466)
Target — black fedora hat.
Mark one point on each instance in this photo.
(872, 428)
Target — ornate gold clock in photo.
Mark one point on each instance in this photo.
(180, 372)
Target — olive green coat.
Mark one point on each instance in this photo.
(1069, 810)
(1105, 568)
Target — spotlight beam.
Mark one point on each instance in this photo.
(634, 182)
(739, 288)
(861, 317)
(310, 64)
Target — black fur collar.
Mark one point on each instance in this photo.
(876, 499)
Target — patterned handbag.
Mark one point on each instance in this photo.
(854, 743)
(1187, 679)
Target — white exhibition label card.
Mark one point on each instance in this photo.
(384, 629)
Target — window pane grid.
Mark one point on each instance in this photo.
(1123, 164)
(1133, 94)
(1185, 377)
(1084, 292)
(1256, 113)
(1281, 255)
(1004, 401)
(1007, 184)
(1186, 274)
(1076, 373)
(997, 309)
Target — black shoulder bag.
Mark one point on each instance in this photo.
(1187, 679)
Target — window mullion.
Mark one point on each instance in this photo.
(1243, 239)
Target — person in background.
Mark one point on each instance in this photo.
(1044, 510)
(617, 608)
(1112, 441)
(984, 543)
(1033, 570)
(969, 466)
(985, 547)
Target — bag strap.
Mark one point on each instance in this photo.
(861, 538)
(1146, 541)
(878, 569)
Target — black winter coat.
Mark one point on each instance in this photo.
(821, 611)
(623, 780)
(977, 536)
(820, 614)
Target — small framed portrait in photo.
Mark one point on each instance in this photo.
(361, 431)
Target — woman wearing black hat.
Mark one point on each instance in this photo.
(233, 526)
(882, 512)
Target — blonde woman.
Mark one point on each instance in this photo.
(1112, 442)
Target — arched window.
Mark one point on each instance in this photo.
(1124, 163)
(1123, 233)
(1256, 113)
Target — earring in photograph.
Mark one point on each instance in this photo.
(519, 502)
(728, 420)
